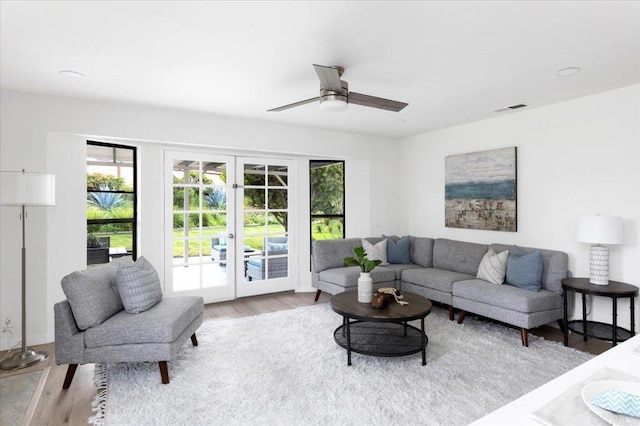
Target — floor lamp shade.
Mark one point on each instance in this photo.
(27, 189)
(599, 231)
(22, 189)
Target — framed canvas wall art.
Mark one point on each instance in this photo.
(481, 190)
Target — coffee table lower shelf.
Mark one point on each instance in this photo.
(381, 338)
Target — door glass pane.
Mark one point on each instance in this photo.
(254, 175)
(254, 198)
(214, 198)
(213, 275)
(277, 199)
(278, 176)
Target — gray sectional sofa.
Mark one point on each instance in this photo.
(444, 271)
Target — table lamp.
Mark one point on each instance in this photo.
(599, 231)
(22, 189)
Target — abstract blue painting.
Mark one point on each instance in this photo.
(481, 190)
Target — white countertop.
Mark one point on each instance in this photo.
(621, 360)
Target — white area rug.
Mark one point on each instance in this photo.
(284, 368)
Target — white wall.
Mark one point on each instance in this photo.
(574, 158)
(577, 157)
(44, 133)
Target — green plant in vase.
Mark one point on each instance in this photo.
(361, 260)
(365, 283)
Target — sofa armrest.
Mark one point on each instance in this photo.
(329, 254)
(69, 339)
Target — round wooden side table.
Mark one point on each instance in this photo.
(599, 330)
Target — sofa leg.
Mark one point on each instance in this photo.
(461, 316)
(524, 334)
(69, 377)
(164, 372)
(194, 340)
(450, 313)
(317, 295)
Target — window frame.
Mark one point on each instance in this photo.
(342, 216)
(134, 220)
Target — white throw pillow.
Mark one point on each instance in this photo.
(493, 267)
(376, 251)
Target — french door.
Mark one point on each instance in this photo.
(227, 225)
(264, 210)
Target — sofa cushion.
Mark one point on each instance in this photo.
(433, 278)
(421, 251)
(524, 270)
(348, 276)
(507, 297)
(554, 266)
(92, 293)
(163, 323)
(376, 251)
(331, 253)
(458, 256)
(493, 267)
(399, 267)
(398, 250)
(139, 286)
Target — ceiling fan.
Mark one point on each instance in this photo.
(335, 95)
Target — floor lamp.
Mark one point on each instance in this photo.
(22, 189)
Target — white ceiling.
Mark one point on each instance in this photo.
(453, 62)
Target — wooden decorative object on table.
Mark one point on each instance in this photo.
(381, 300)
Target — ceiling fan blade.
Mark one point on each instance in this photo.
(293, 105)
(374, 102)
(329, 78)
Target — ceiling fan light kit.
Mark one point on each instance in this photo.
(334, 101)
(335, 95)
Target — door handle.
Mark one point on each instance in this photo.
(230, 236)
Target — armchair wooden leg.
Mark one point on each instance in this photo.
(164, 372)
(69, 377)
(194, 340)
(524, 335)
(461, 316)
(450, 313)
(317, 295)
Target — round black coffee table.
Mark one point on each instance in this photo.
(381, 332)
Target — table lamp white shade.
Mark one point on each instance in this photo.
(27, 189)
(598, 231)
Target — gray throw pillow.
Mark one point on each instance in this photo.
(139, 286)
(92, 293)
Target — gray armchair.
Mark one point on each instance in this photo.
(273, 262)
(92, 326)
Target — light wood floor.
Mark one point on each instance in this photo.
(73, 406)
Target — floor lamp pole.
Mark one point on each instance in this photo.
(27, 356)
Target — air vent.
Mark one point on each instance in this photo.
(517, 106)
(511, 107)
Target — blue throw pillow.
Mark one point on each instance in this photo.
(524, 270)
(398, 251)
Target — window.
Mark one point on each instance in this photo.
(111, 202)
(327, 199)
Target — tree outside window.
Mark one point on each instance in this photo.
(327, 195)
